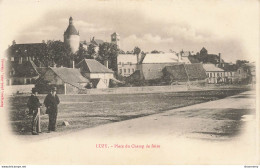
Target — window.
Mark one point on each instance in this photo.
(119, 63)
(12, 58)
(20, 60)
(12, 72)
(28, 81)
(120, 71)
(31, 71)
(133, 70)
(128, 70)
(239, 71)
(124, 70)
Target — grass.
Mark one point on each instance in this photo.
(85, 111)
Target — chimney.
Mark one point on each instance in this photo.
(106, 63)
(14, 42)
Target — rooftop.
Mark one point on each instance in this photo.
(163, 58)
(70, 75)
(93, 66)
(212, 67)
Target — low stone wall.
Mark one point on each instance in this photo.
(129, 90)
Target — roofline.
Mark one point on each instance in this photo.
(100, 72)
(27, 43)
(63, 79)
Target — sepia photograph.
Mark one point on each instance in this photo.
(149, 82)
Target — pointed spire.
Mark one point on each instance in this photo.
(71, 21)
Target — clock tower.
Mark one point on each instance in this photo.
(115, 38)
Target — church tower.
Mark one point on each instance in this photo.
(71, 36)
(115, 38)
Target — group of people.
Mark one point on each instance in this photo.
(51, 102)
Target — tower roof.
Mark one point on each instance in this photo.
(71, 30)
(203, 49)
(115, 33)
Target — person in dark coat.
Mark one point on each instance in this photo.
(34, 108)
(51, 103)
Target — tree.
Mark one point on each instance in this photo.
(239, 63)
(121, 52)
(81, 54)
(91, 51)
(137, 51)
(58, 53)
(108, 52)
(155, 52)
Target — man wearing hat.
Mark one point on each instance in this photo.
(34, 108)
(51, 102)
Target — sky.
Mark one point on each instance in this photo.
(229, 27)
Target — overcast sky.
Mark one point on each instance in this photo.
(227, 27)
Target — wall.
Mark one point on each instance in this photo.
(125, 62)
(105, 77)
(213, 77)
(73, 41)
(130, 90)
(123, 69)
(71, 89)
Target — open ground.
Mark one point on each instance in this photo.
(85, 111)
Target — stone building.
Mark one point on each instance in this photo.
(99, 75)
(214, 73)
(126, 64)
(71, 36)
(67, 81)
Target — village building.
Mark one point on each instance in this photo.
(20, 53)
(184, 73)
(21, 74)
(99, 75)
(126, 64)
(94, 42)
(149, 70)
(246, 74)
(230, 71)
(215, 74)
(67, 81)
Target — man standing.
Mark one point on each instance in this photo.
(34, 108)
(51, 102)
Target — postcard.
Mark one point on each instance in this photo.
(129, 82)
